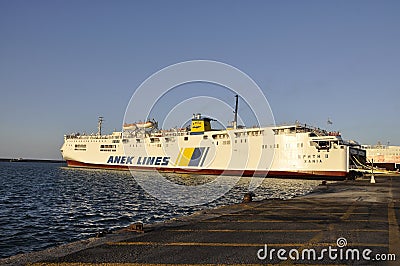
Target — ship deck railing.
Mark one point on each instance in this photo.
(92, 137)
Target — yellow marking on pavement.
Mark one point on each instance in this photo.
(347, 214)
(271, 230)
(277, 208)
(82, 264)
(255, 221)
(208, 244)
(311, 243)
(364, 230)
(289, 221)
(147, 264)
(394, 233)
(290, 215)
(305, 208)
(365, 221)
(314, 241)
(133, 264)
(219, 244)
(246, 230)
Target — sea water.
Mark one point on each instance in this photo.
(48, 204)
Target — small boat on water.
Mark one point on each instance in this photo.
(16, 160)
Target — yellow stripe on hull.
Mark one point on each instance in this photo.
(186, 156)
(179, 156)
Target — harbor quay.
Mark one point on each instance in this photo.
(339, 223)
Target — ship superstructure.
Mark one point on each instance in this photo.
(295, 150)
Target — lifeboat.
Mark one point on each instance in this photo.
(147, 124)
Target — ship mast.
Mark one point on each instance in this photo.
(99, 123)
(236, 110)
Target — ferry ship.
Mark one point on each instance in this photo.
(295, 150)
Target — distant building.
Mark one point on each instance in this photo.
(383, 155)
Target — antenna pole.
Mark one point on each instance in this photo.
(99, 125)
(236, 111)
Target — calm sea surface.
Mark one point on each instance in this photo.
(48, 204)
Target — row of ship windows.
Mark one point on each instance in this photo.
(82, 147)
(159, 145)
(108, 147)
(228, 142)
(225, 142)
(113, 147)
(275, 146)
(101, 146)
(287, 146)
(153, 140)
(101, 140)
(186, 138)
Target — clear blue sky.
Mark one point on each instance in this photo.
(63, 63)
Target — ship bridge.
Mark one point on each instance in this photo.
(200, 124)
(304, 128)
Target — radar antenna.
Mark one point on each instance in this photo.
(99, 123)
(236, 111)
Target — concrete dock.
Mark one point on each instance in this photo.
(349, 222)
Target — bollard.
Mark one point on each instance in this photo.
(136, 227)
(102, 233)
(248, 197)
(372, 172)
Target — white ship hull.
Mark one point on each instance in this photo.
(288, 151)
